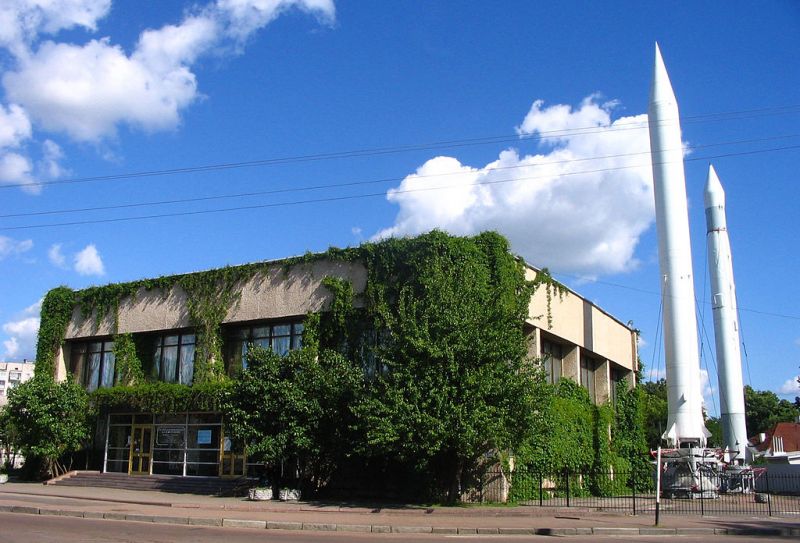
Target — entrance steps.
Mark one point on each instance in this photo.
(208, 486)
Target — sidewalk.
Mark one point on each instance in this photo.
(160, 507)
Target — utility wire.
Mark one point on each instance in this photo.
(367, 195)
(374, 181)
(366, 152)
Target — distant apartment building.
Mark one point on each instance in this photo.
(11, 375)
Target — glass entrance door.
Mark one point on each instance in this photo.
(141, 449)
(232, 458)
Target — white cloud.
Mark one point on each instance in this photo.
(580, 206)
(88, 90)
(12, 247)
(790, 386)
(55, 255)
(22, 332)
(88, 261)
(21, 21)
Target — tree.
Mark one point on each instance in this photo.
(654, 404)
(48, 420)
(456, 385)
(763, 409)
(293, 408)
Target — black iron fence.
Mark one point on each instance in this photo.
(755, 493)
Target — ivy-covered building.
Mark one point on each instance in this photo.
(196, 329)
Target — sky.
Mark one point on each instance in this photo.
(140, 139)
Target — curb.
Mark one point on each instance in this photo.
(386, 529)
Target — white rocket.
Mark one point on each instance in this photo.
(685, 419)
(726, 325)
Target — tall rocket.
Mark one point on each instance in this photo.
(685, 419)
(726, 326)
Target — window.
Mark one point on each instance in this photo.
(617, 377)
(92, 364)
(588, 365)
(552, 356)
(280, 337)
(173, 361)
(14, 376)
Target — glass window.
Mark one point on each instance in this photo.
(93, 364)
(280, 337)
(173, 360)
(552, 358)
(588, 366)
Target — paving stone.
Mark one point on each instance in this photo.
(412, 529)
(171, 520)
(319, 527)
(381, 529)
(615, 531)
(516, 531)
(488, 530)
(243, 523)
(657, 531)
(114, 516)
(6, 508)
(694, 531)
(278, 525)
(62, 513)
(582, 531)
(25, 509)
(444, 530)
(467, 531)
(200, 521)
(93, 514)
(353, 528)
(139, 518)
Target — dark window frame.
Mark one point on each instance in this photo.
(548, 355)
(158, 367)
(236, 347)
(79, 362)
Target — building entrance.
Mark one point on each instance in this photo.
(141, 449)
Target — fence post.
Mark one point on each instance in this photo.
(567, 473)
(541, 484)
(633, 488)
(702, 504)
(769, 496)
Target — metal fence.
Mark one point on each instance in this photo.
(759, 494)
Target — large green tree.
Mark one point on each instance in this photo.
(654, 405)
(48, 420)
(453, 382)
(763, 409)
(293, 409)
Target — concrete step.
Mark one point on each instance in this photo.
(164, 483)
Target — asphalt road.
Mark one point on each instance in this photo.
(20, 528)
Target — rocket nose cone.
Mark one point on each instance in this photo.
(661, 87)
(714, 193)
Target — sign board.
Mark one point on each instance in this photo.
(204, 437)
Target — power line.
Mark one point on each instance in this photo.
(370, 182)
(375, 151)
(368, 195)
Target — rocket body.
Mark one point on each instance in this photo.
(685, 418)
(726, 325)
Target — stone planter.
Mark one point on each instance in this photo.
(260, 494)
(289, 494)
(3, 478)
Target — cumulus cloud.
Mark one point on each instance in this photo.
(88, 261)
(55, 256)
(88, 90)
(790, 386)
(21, 342)
(12, 247)
(580, 205)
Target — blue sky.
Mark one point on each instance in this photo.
(95, 89)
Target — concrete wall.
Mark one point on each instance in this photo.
(274, 294)
(584, 325)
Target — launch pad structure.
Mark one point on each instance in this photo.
(687, 468)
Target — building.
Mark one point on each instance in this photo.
(781, 445)
(12, 374)
(580, 341)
